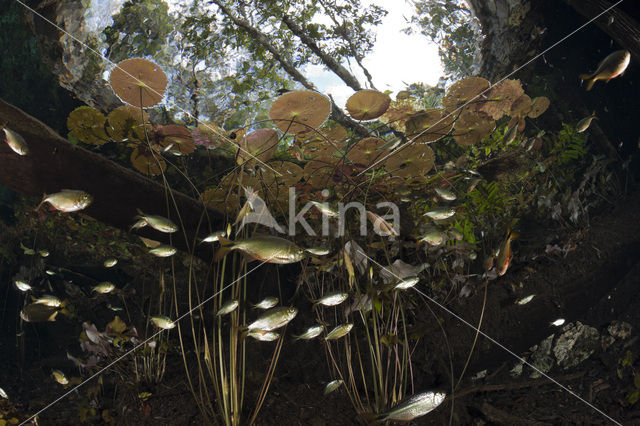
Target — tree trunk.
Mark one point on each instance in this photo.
(53, 163)
(624, 29)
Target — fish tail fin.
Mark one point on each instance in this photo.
(514, 235)
(589, 79)
(224, 242)
(222, 252)
(44, 197)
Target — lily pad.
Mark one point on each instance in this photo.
(87, 124)
(175, 139)
(500, 98)
(414, 160)
(463, 91)
(148, 163)
(299, 111)
(521, 106)
(138, 82)
(260, 144)
(366, 151)
(127, 122)
(367, 104)
(540, 105)
(472, 127)
(429, 125)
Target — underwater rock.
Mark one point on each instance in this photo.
(541, 357)
(619, 329)
(577, 343)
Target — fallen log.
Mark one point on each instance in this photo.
(53, 163)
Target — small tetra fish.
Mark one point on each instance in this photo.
(511, 134)
(445, 194)
(440, 213)
(331, 386)
(407, 283)
(158, 223)
(416, 406)
(26, 250)
(43, 253)
(585, 123)
(325, 208)
(263, 336)
(267, 303)
(267, 248)
(48, 300)
(67, 200)
(525, 299)
(558, 322)
(339, 331)
(332, 299)
(104, 287)
(111, 262)
(503, 259)
(317, 251)
(213, 237)
(228, 307)
(22, 285)
(3, 394)
(273, 319)
(610, 67)
(312, 332)
(433, 238)
(60, 377)
(163, 250)
(15, 142)
(163, 322)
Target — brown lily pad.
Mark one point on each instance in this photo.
(463, 91)
(126, 123)
(540, 105)
(521, 106)
(174, 139)
(429, 125)
(500, 98)
(259, 144)
(299, 111)
(366, 151)
(147, 162)
(472, 127)
(409, 161)
(138, 82)
(367, 104)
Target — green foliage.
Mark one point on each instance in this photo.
(569, 145)
(140, 28)
(488, 199)
(466, 227)
(451, 24)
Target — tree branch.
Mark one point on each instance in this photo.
(326, 59)
(260, 37)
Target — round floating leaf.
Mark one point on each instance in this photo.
(175, 139)
(299, 111)
(366, 151)
(148, 163)
(463, 91)
(138, 82)
(414, 160)
(472, 127)
(521, 106)
(87, 124)
(429, 125)
(260, 144)
(290, 173)
(367, 104)
(398, 114)
(318, 172)
(500, 97)
(126, 123)
(539, 106)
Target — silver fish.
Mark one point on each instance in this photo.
(163, 250)
(16, 142)
(339, 331)
(312, 332)
(407, 283)
(228, 307)
(273, 318)
(22, 285)
(267, 303)
(416, 406)
(162, 321)
(332, 299)
(441, 213)
(263, 336)
(332, 385)
(111, 262)
(213, 237)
